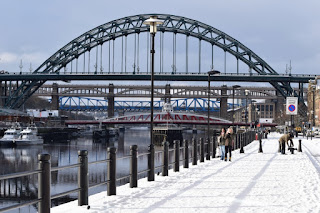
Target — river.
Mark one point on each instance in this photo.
(25, 158)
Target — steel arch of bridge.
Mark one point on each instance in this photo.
(93, 104)
(134, 25)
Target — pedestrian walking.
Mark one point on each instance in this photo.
(222, 140)
(283, 141)
(229, 143)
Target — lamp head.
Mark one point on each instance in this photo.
(153, 21)
(213, 72)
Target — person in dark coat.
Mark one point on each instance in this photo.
(229, 143)
(284, 139)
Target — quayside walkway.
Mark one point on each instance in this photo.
(252, 182)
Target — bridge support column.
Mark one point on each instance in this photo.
(55, 97)
(167, 96)
(279, 111)
(223, 102)
(1, 95)
(111, 101)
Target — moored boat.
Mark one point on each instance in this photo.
(29, 136)
(10, 135)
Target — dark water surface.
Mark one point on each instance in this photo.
(25, 158)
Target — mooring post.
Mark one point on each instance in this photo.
(176, 155)
(299, 147)
(186, 153)
(83, 180)
(151, 163)
(241, 143)
(134, 166)
(201, 150)
(112, 171)
(165, 158)
(208, 149)
(195, 151)
(260, 146)
(44, 182)
(214, 146)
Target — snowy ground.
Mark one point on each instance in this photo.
(252, 182)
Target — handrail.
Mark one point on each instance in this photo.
(19, 174)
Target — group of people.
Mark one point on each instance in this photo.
(226, 142)
(227, 137)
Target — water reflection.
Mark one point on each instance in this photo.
(25, 158)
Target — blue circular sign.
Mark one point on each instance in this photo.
(292, 108)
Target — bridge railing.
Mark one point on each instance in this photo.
(172, 155)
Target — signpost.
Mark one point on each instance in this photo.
(292, 108)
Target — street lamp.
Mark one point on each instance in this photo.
(212, 72)
(153, 21)
(313, 87)
(246, 112)
(233, 88)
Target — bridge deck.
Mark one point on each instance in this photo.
(252, 182)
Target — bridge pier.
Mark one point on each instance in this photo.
(224, 102)
(55, 97)
(1, 95)
(167, 96)
(110, 98)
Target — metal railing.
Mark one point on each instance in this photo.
(199, 148)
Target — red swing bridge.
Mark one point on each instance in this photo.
(163, 118)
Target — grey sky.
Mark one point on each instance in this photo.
(276, 30)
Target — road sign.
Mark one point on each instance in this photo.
(292, 106)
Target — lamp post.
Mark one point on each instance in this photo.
(212, 72)
(153, 21)
(233, 88)
(246, 112)
(313, 105)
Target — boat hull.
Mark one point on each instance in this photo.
(28, 142)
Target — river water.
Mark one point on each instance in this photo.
(25, 158)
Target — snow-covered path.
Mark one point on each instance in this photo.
(252, 182)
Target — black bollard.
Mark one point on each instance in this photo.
(186, 154)
(134, 166)
(165, 158)
(112, 171)
(44, 182)
(208, 149)
(201, 150)
(260, 146)
(214, 146)
(299, 147)
(151, 163)
(176, 155)
(83, 180)
(241, 143)
(194, 151)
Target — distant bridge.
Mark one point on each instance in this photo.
(162, 118)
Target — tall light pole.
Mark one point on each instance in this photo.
(212, 72)
(313, 87)
(233, 88)
(153, 21)
(246, 112)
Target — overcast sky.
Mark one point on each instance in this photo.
(276, 30)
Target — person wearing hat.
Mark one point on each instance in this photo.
(283, 141)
